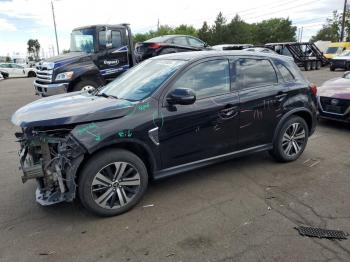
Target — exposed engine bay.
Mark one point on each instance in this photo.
(52, 157)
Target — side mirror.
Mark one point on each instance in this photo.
(108, 39)
(181, 96)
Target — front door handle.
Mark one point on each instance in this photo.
(228, 112)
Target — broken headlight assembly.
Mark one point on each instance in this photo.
(52, 157)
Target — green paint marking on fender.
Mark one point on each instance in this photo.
(143, 107)
(84, 129)
(125, 133)
(155, 115)
(97, 137)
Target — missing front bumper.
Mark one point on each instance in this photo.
(53, 162)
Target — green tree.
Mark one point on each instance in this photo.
(33, 48)
(219, 30)
(331, 31)
(239, 32)
(205, 33)
(274, 30)
(185, 30)
(7, 59)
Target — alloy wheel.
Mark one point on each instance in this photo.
(115, 185)
(293, 140)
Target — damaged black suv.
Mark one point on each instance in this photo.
(169, 114)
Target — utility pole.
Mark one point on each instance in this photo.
(158, 25)
(343, 22)
(301, 34)
(54, 24)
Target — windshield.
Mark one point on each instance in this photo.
(141, 81)
(332, 50)
(83, 40)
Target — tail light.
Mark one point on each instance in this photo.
(154, 46)
(313, 89)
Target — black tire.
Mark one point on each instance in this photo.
(31, 74)
(318, 65)
(313, 65)
(97, 165)
(84, 83)
(307, 66)
(332, 68)
(279, 152)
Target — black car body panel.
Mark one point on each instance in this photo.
(70, 108)
(170, 138)
(167, 44)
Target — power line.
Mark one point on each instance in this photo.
(293, 7)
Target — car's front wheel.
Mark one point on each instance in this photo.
(112, 182)
(291, 140)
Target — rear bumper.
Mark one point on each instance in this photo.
(50, 89)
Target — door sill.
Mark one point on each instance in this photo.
(208, 161)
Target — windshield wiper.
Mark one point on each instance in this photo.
(106, 95)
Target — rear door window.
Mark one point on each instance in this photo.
(255, 72)
(206, 79)
(195, 42)
(180, 40)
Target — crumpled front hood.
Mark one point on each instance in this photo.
(70, 108)
(336, 88)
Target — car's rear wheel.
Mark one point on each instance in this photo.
(291, 140)
(112, 182)
(332, 68)
(85, 85)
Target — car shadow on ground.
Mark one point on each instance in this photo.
(166, 187)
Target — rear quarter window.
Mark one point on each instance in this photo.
(285, 72)
(255, 72)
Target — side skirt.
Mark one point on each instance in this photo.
(208, 161)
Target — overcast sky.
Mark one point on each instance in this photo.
(21, 20)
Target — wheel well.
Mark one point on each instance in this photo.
(93, 78)
(306, 116)
(138, 150)
(31, 73)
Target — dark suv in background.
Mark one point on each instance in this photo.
(167, 115)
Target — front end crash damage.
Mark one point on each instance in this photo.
(52, 157)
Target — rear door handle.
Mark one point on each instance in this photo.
(280, 96)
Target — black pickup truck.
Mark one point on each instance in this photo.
(97, 53)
